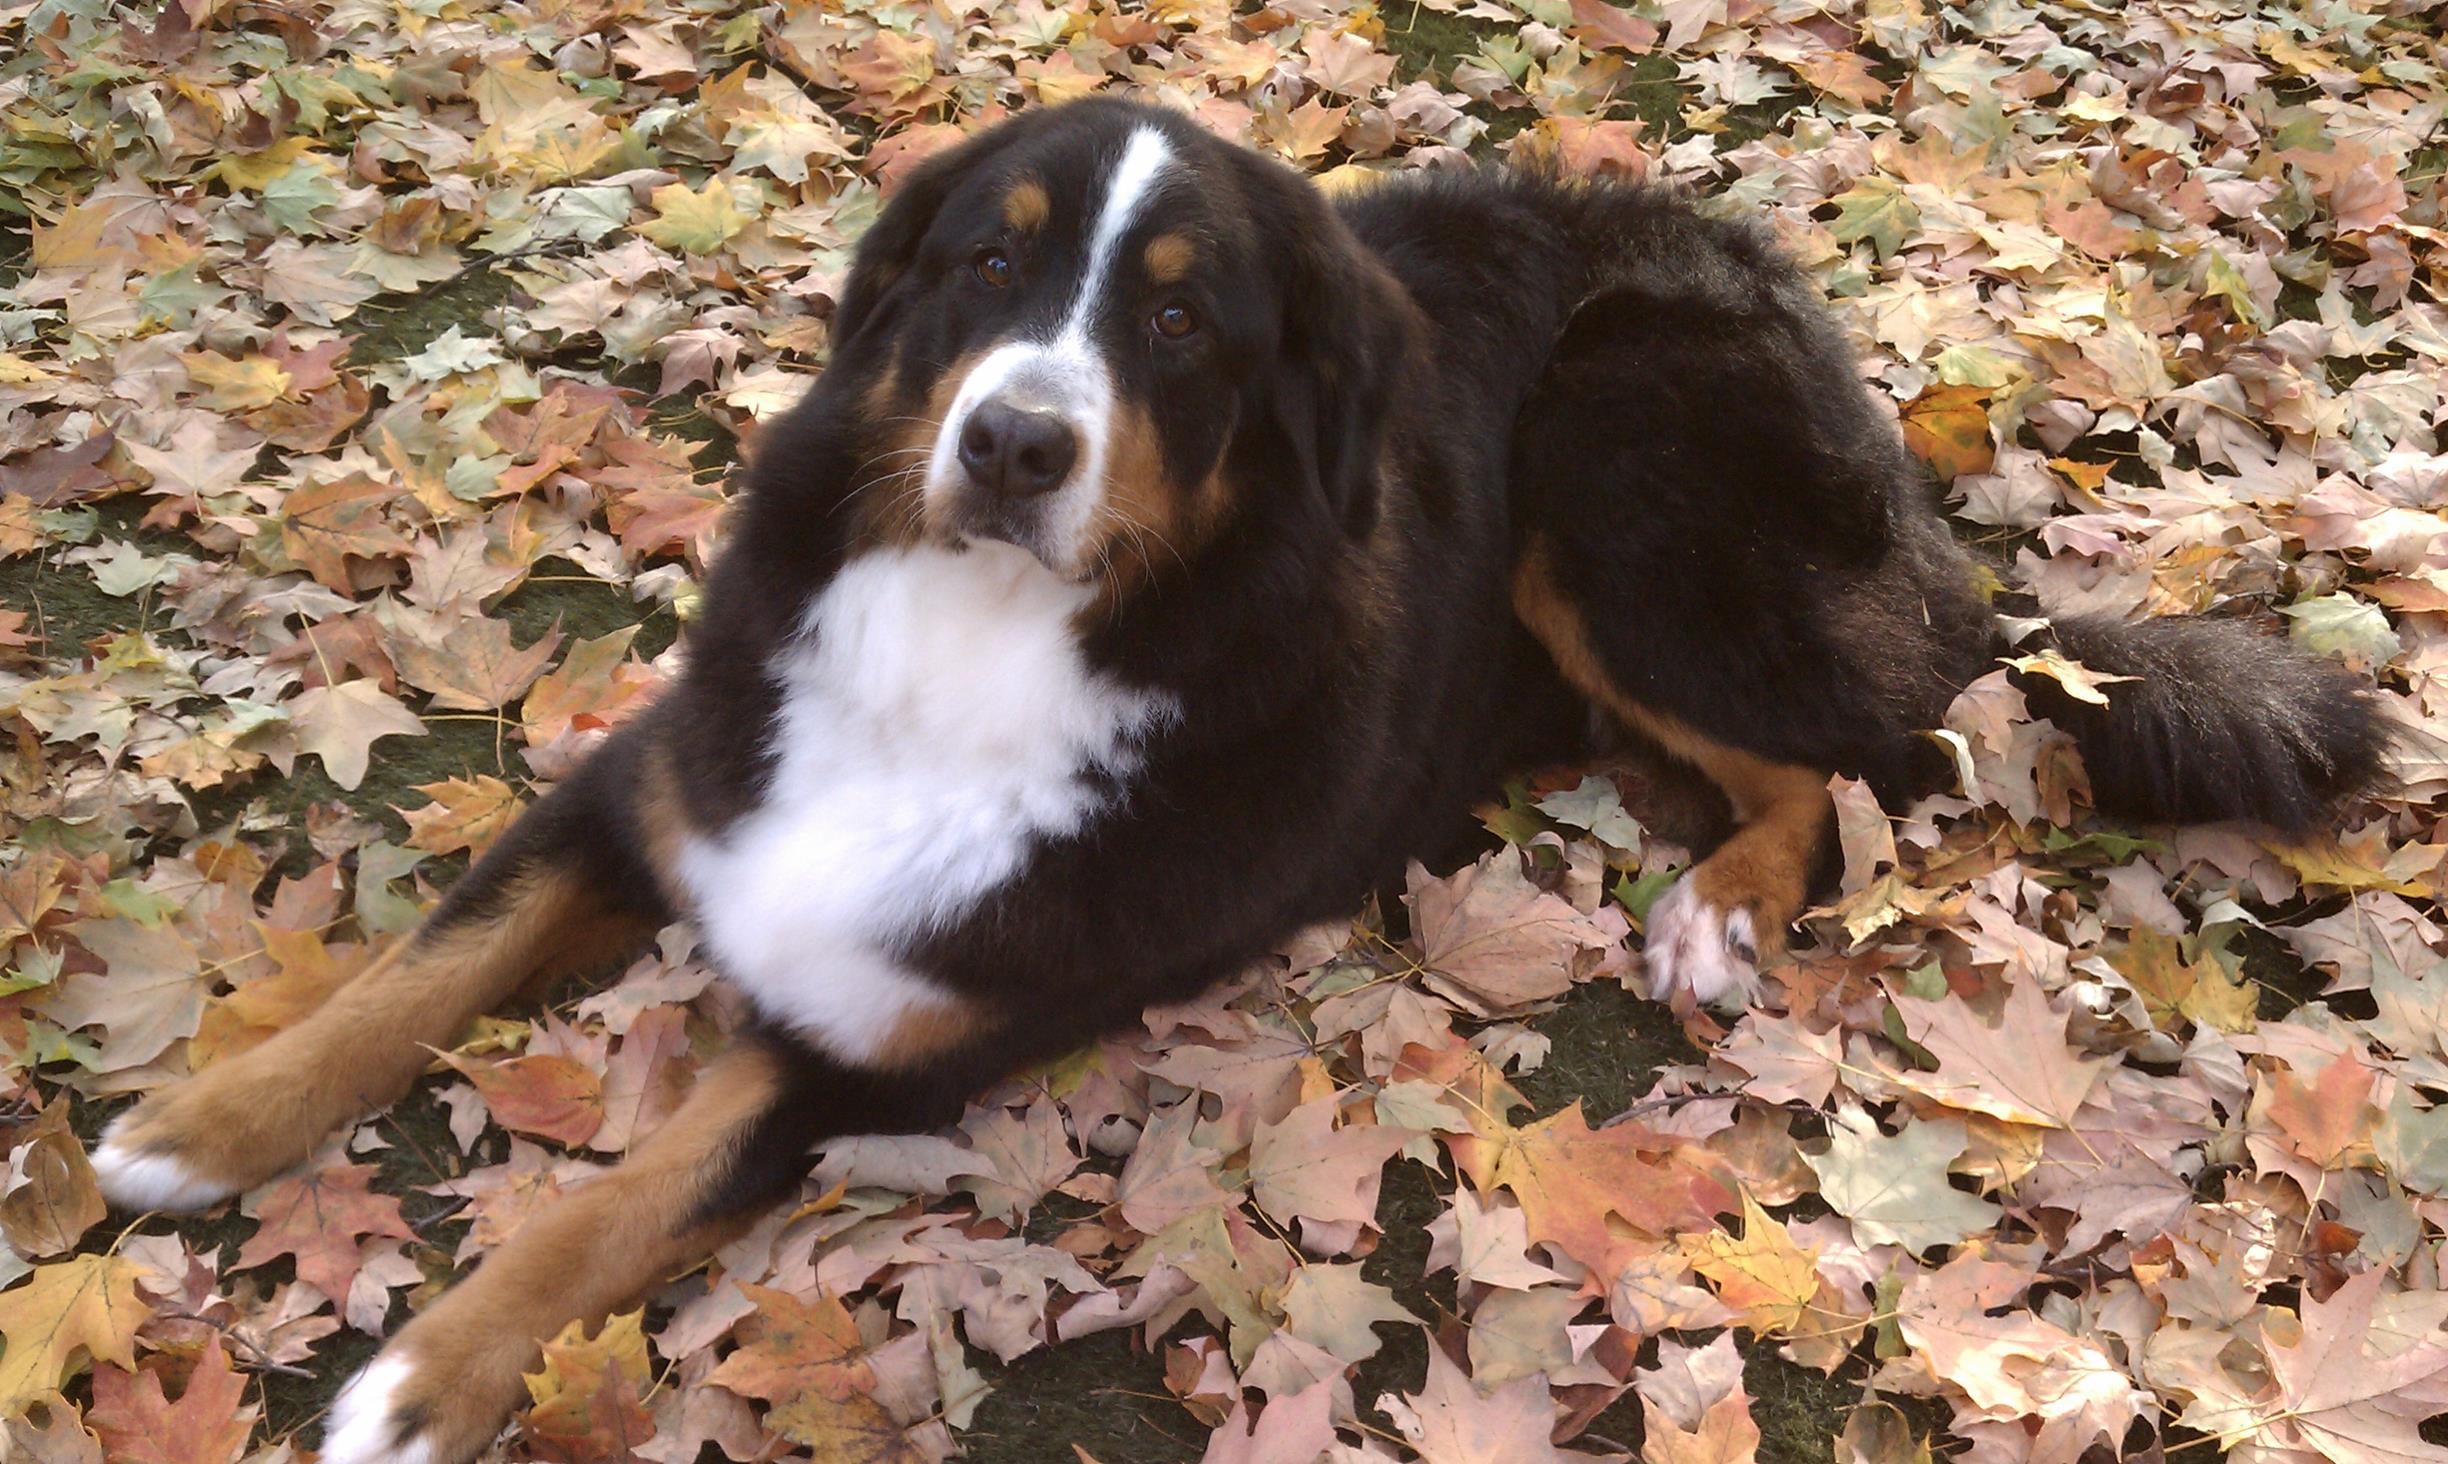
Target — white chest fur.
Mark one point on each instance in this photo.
(937, 719)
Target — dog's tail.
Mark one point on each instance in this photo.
(2219, 722)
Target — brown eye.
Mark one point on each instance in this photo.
(993, 268)
(1173, 322)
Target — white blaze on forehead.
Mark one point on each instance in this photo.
(1065, 375)
(1126, 190)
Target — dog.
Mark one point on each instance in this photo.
(1168, 555)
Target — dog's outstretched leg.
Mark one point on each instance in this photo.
(542, 899)
(739, 1141)
(441, 1389)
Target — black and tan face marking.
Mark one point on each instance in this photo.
(1075, 334)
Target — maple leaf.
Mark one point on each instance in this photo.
(82, 1307)
(2020, 1069)
(149, 993)
(139, 1425)
(595, 683)
(1450, 1421)
(1878, 210)
(465, 813)
(1571, 1178)
(540, 1093)
(1786, 1060)
(1493, 941)
(48, 1195)
(696, 220)
(1696, 1409)
(1168, 1175)
(319, 1218)
(340, 724)
(1297, 1427)
(1330, 1306)
(1948, 428)
(241, 385)
(2328, 1120)
(203, 460)
(587, 1408)
(472, 665)
(1518, 1334)
(2354, 1391)
(1895, 1190)
(1762, 1274)
(1492, 1244)
(1307, 1168)
(324, 524)
(805, 1357)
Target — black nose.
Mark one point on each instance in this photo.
(1015, 452)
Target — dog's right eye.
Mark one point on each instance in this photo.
(992, 267)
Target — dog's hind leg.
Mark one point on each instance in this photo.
(1723, 542)
(564, 888)
(1708, 934)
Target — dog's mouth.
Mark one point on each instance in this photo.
(994, 523)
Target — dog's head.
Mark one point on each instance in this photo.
(1109, 338)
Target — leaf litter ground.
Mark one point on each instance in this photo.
(338, 339)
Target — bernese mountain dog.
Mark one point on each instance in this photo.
(1168, 554)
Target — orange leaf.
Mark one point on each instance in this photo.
(2326, 1119)
(139, 1425)
(465, 814)
(544, 1094)
(1948, 428)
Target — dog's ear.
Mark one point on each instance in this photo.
(891, 243)
(1349, 332)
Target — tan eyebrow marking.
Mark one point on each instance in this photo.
(1169, 257)
(1026, 206)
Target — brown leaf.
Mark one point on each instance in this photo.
(139, 1425)
(805, 1357)
(318, 1218)
(48, 1195)
(324, 524)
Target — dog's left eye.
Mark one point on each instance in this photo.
(993, 268)
(1173, 321)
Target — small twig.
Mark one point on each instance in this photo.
(259, 1359)
(442, 1216)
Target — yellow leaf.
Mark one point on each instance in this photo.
(2363, 862)
(252, 171)
(1763, 1274)
(695, 221)
(236, 386)
(83, 1305)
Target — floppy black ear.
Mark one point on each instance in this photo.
(1349, 332)
(891, 243)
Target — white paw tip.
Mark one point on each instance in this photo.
(133, 1179)
(362, 1430)
(1696, 947)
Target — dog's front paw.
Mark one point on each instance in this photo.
(142, 1166)
(424, 1406)
(377, 1418)
(1696, 946)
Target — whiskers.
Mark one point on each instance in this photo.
(890, 486)
(1112, 526)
